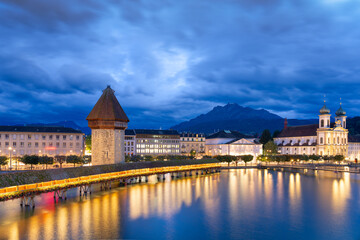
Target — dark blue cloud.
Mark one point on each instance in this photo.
(169, 61)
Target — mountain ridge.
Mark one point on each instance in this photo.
(232, 116)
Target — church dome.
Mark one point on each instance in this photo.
(340, 111)
(324, 110)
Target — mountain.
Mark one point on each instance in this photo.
(69, 124)
(235, 117)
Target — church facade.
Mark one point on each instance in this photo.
(324, 138)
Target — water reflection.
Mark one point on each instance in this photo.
(227, 205)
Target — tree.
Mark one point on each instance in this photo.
(226, 158)
(46, 160)
(136, 158)
(75, 159)
(161, 158)
(30, 159)
(192, 153)
(265, 136)
(247, 158)
(88, 143)
(339, 158)
(270, 148)
(127, 158)
(3, 161)
(275, 134)
(148, 158)
(60, 159)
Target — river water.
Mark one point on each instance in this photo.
(233, 204)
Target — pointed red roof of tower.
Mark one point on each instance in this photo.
(108, 108)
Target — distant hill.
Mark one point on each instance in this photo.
(69, 124)
(235, 117)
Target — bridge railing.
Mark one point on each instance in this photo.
(73, 182)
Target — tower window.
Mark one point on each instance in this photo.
(321, 140)
(322, 123)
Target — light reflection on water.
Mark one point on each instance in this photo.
(255, 204)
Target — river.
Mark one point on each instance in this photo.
(233, 204)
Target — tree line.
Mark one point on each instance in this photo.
(230, 158)
(45, 160)
(304, 157)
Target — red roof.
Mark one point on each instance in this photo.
(299, 131)
(108, 108)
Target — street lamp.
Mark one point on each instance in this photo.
(10, 157)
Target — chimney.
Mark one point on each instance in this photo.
(285, 123)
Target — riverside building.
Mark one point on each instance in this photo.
(232, 143)
(152, 142)
(29, 140)
(192, 142)
(324, 138)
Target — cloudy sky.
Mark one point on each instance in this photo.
(169, 61)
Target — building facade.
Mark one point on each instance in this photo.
(152, 142)
(324, 138)
(22, 140)
(130, 142)
(232, 143)
(192, 142)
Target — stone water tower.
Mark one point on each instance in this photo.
(108, 122)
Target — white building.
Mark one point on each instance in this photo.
(130, 142)
(324, 138)
(23, 140)
(232, 143)
(152, 142)
(354, 148)
(192, 141)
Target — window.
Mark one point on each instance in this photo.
(322, 123)
(57, 137)
(43, 144)
(36, 144)
(64, 137)
(29, 136)
(14, 136)
(50, 144)
(57, 144)
(14, 144)
(21, 144)
(338, 140)
(321, 140)
(29, 144)
(71, 137)
(43, 137)
(36, 136)
(78, 144)
(77, 137)
(22, 137)
(6, 136)
(50, 137)
(6, 144)
(64, 145)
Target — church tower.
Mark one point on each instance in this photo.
(340, 116)
(108, 122)
(324, 117)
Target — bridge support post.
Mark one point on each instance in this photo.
(85, 189)
(60, 193)
(28, 201)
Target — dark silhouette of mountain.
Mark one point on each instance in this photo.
(235, 117)
(69, 124)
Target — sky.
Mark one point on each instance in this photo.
(169, 61)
